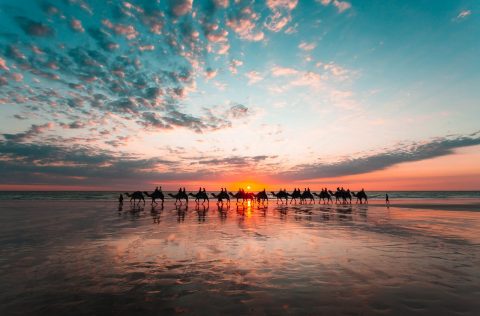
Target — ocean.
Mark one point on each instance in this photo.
(113, 195)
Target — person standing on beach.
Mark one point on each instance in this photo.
(387, 200)
(120, 199)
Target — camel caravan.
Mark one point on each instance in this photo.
(325, 196)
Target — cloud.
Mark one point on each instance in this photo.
(211, 73)
(143, 48)
(236, 161)
(408, 153)
(3, 64)
(180, 7)
(463, 14)
(234, 64)
(280, 16)
(278, 71)
(103, 39)
(32, 132)
(244, 23)
(76, 25)
(210, 121)
(128, 31)
(18, 77)
(307, 46)
(57, 164)
(277, 21)
(221, 3)
(36, 163)
(253, 77)
(282, 4)
(34, 28)
(340, 5)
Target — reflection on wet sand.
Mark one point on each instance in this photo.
(237, 258)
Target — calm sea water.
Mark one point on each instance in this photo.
(96, 258)
(113, 195)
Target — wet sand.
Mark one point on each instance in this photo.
(84, 258)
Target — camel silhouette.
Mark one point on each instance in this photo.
(281, 195)
(221, 196)
(341, 196)
(179, 197)
(242, 195)
(361, 195)
(137, 195)
(324, 196)
(157, 194)
(202, 195)
(261, 196)
(296, 194)
(307, 195)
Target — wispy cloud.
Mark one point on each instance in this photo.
(463, 15)
(382, 160)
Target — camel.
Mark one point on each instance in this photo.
(296, 194)
(336, 194)
(361, 195)
(242, 195)
(200, 195)
(343, 195)
(281, 195)
(307, 195)
(179, 197)
(221, 196)
(324, 196)
(157, 194)
(137, 195)
(261, 196)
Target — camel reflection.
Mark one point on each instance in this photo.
(155, 213)
(181, 210)
(201, 212)
(252, 210)
(223, 211)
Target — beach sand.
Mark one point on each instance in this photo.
(84, 258)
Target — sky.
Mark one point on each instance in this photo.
(112, 95)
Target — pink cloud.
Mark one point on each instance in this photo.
(146, 48)
(210, 73)
(128, 31)
(3, 64)
(253, 77)
(463, 14)
(307, 46)
(182, 7)
(17, 77)
(223, 49)
(221, 3)
(76, 25)
(277, 21)
(285, 4)
(340, 5)
(244, 25)
(234, 64)
(220, 36)
(278, 71)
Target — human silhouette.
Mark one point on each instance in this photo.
(120, 199)
(387, 200)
